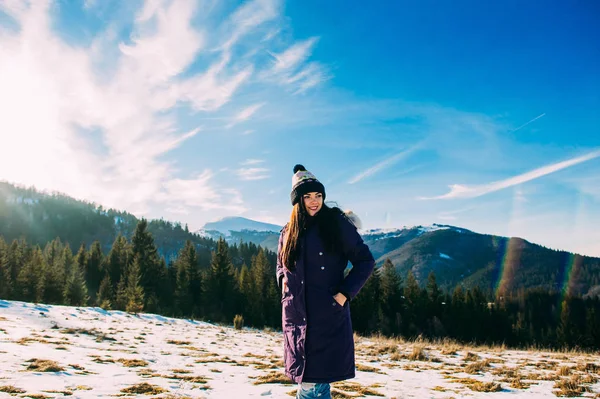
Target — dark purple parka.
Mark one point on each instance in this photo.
(317, 331)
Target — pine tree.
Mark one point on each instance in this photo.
(273, 304)
(592, 332)
(76, 292)
(118, 259)
(434, 306)
(458, 320)
(259, 298)
(67, 261)
(391, 297)
(81, 260)
(152, 275)
(121, 295)
(5, 278)
(415, 305)
(219, 285)
(31, 277)
(105, 295)
(565, 330)
(135, 291)
(13, 262)
(93, 271)
(366, 307)
(186, 265)
(54, 272)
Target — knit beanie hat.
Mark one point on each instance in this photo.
(304, 182)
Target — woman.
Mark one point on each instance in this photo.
(314, 250)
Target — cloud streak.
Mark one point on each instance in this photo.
(531, 121)
(386, 163)
(245, 114)
(252, 173)
(462, 191)
(290, 68)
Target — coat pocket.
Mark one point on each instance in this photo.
(337, 306)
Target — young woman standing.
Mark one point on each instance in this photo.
(314, 249)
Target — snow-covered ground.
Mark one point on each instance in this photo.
(99, 353)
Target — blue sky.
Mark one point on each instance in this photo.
(469, 113)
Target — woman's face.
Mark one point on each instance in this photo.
(313, 202)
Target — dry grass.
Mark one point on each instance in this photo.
(478, 386)
(187, 378)
(418, 353)
(26, 340)
(11, 389)
(175, 342)
(356, 388)
(570, 387)
(273, 377)
(564, 371)
(181, 371)
(588, 367)
(589, 379)
(471, 357)
(336, 394)
(43, 366)
(100, 336)
(145, 372)
(517, 383)
(98, 359)
(144, 388)
(2, 318)
(38, 396)
(367, 369)
(508, 372)
(133, 362)
(474, 368)
(81, 388)
(64, 393)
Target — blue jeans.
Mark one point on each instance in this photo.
(311, 390)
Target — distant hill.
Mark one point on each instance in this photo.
(456, 255)
(40, 217)
(491, 262)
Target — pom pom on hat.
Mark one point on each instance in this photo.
(299, 167)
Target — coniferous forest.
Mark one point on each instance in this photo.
(215, 281)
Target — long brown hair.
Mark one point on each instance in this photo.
(327, 221)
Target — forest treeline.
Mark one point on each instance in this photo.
(216, 281)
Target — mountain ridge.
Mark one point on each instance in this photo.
(456, 255)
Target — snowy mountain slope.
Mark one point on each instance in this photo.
(102, 354)
(228, 224)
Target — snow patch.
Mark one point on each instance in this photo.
(168, 345)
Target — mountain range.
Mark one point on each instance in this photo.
(456, 255)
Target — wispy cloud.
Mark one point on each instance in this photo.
(253, 173)
(386, 163)
(462, 191)
(251, 161)
(531, 121)
(291, 69)
(106, 114)
(245, 114)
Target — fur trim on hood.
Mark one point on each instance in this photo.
(353, 218)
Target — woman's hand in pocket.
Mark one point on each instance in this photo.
(340, 299)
